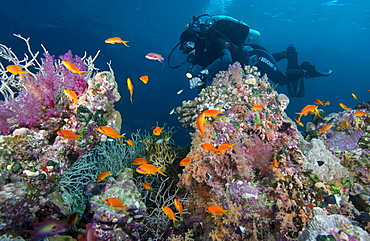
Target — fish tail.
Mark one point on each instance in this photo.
(226, 211)
(124, 43)
(160, 170)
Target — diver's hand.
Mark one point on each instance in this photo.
(195, 82)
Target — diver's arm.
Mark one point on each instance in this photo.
(225, 59)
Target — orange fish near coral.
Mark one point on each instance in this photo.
(323, 103)
(115, 203)
(299, 122)
(102, 176)
(73, 68)
(359, 113)
(208, 147)
(275, 163)
(130, 88)
(116, 40)
(16, 70)
(156, 57)
(157, 131)
(217, 210)
(178, 206)
(201, 120)
(212, 113)
(344, 106)
(355, 97)
(131, 143)
(308, 110)
(343, 125)
(71, 95)
(257, 107)
(324, 128)
(168, 211)
(184, 162)
(67, 134)
(149, 169)
(139, 161)
(144, 79)
(224, 147)
(147, 186)
(110, 132)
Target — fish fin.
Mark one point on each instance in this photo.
(160, 170)
(226, 211)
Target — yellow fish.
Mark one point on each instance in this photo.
(110, 132)
(131, 143)
(73, 68)
(16, 70)
(355, 97)
(71, 95)
(168, 211)
(116, 40)
(201, 120)
(178, 206)
(149, 169)
(130, 88)
(344, 106)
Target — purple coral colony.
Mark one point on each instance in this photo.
(249, 174)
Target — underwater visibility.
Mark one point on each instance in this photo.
(174, 121)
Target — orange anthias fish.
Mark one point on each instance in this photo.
(140, 161)
(102, 176)
(208, 147)
(343, 125)
(16, 70)
(257, 107)
(355, 97)
(47, 228)
(275, 163)
(154, 56)
(110, 132)
(130, 88)
(299, 122)
(168, 211)
(224, 147)
(323, 103)
(71, 95)
(324, 128)
(184, 162)
(116, 40)
(178, 206)
(217, 210)
(115, 203)
(67, 134)
(359, 113)
(144, 79)
(147, 186)
(201, 120)
(157, 131)
(131, 143)
(73, 68)
(307, 110)
(344, 106)
(212, 113)
(149, 169)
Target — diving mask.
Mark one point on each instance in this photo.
(187, 47)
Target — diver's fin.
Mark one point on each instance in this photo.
(296, 88)
(311, 71)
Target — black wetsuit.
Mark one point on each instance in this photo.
(218, 54)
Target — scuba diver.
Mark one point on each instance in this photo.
(213, 42)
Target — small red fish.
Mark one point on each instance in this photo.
(110, 132)
(308, 109)
(144, 79)
(116, 40)
(71, 95)
(275, 163)
(16, 70)
(224, 147)
(67, 134)
(149, 169)
(139, 161)
(178, 206)
(359, 113)
(212, 113)
(324, 128)
(115, 203)
(257, 107)
(201, 120)
(156, 57)
(102, 176)
(168, 211)
(147, 186)
(217, 210)
(73, 68)
(130, 88)
(157, 131)
(208, 147)
(184, 162)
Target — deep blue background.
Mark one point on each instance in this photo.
(329, 34)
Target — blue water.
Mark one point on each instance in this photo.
(330, 34)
